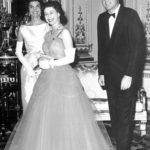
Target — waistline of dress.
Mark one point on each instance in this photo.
(30, 53)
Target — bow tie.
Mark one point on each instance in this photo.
(109, 15)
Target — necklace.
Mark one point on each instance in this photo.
(56, 30)
(35, 22)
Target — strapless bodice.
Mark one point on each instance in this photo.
(53, 46)
(34, 36)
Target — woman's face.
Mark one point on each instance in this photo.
(52, 17)
(34, 9)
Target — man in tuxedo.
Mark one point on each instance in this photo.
(121, 56)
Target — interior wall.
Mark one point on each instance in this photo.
(67, 5)
(96, 9)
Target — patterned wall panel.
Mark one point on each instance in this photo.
(81, 28)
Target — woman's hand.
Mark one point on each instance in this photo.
(101, 80)
(44, 63)
(30, 71)
(52, 63)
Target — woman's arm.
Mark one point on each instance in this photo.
(20, 56)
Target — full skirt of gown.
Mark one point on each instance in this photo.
(59, 116)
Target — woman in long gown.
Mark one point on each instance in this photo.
(59, 114)
(32, 34)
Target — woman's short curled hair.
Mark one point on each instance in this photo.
(58, 7)
(40, 2)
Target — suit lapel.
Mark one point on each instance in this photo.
(106, 28)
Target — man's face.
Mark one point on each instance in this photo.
(110, 4)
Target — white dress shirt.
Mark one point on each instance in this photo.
(112, 20)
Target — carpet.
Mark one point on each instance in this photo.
(139, 142)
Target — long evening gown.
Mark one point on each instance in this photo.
(33, 38)
(59, 115)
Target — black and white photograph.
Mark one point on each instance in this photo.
(74, 74)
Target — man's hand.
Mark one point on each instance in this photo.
(101, 80)
(126, 82)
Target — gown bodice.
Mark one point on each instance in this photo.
(34, 36)
(53, 45)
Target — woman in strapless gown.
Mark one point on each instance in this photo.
(59, 115)
(32, 34)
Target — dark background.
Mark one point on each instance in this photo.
(19, 7)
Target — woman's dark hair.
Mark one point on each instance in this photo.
(40, 1)
(57, 6)
(41, 5)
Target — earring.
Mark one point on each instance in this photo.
(28, 14)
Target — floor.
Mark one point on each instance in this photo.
(138, 143)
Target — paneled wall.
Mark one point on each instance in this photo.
(87, 11)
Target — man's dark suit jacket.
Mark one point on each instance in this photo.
(124, 52)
